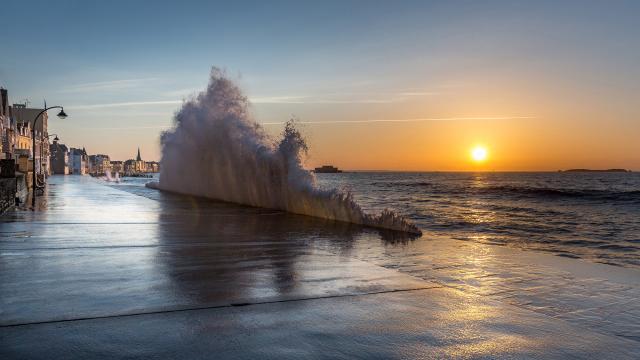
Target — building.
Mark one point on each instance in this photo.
(104, 163)
(140, 167)
(23, 137)
(60, 159)
(21, 148)
(24, 118)
(79, 161)
(129, 167)
(86, 163)
(99, 164)
(152, 166)
(117, 167)
(91, 163)
(6, 127)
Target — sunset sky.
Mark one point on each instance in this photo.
(542, 85)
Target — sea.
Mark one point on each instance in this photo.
(593, 216)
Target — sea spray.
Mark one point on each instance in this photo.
(216, 150)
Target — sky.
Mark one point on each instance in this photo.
(375, 85)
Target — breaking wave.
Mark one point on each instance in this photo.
(216, 150)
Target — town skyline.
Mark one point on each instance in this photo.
(27, 145)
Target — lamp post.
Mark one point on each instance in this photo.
(56, 138)
(61, 115)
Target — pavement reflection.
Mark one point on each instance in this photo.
(104, 273)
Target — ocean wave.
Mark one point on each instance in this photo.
(529, 191)
(216, 150)
(559, 192)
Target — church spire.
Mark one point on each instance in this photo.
(139, 158)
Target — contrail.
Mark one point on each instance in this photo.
(405, 120)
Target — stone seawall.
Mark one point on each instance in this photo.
(8, 189)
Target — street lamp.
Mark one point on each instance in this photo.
(61, 115)
(56, 139)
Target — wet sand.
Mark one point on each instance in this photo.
(105, 273)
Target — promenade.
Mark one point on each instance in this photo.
(122, 271)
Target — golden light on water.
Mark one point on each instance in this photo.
(479, 153)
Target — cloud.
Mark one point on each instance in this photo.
(149, 127)
(125, 104)
(279, 99)
(107, 85)
(344, 98)
(185, 92)
(327, 99)
(331, 98)
(327, 122)
(418, 93)
(314, 100)
(254, 100)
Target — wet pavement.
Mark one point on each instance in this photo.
(101, 272)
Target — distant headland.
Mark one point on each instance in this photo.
(595, 170)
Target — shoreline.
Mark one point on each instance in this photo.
(426, 233)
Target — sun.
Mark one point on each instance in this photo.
(479, 153)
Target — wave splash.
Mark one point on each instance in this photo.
(216, 150)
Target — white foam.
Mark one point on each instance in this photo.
(216, 150)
